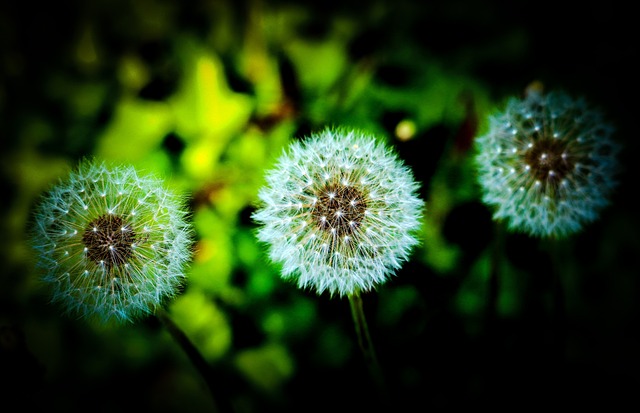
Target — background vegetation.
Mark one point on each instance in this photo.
(208, 93)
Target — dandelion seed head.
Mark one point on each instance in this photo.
(564, 173)
(104, 254)
(358, 229)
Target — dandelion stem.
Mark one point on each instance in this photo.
(196, 359)
(366, 344)
(494, 278)
(558, 296)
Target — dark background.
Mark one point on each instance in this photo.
(442, 341)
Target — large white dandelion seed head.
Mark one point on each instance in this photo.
(547, 164)
(339, 212)
(113, 243)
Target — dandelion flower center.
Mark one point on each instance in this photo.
(109, 240)
(339, 210)
(549, 161)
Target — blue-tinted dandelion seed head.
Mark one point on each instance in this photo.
(547, 164)
(113, 243)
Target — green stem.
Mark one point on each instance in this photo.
(196, 359)
(558, 298)
(366, 344)
(493, 291)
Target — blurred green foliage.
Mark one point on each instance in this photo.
(208, 94)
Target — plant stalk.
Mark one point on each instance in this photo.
(197, 360)
(366, 344)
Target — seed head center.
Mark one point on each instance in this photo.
(549, 160)
(340, 209)
(109, 240)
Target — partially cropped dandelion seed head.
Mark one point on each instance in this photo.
(113, 243)
(547, 164)
(340, 212)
